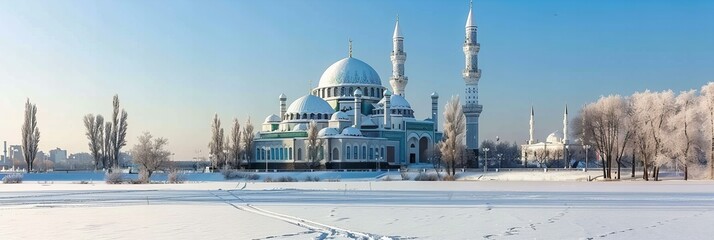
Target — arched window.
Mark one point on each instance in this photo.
(383, 155)
(371, 92)
(304, 116)
(282, 154)
(371, 153)
(356, 152)
(364, 152)
(347, 153)
(299, 154)
(335, 154)
(350, 92)
(290, 153)
(312, 116)
(297, 116)
(319, 116)
(342, 91)
(329, 93)
(269, 154)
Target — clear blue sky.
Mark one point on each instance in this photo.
(175, 63)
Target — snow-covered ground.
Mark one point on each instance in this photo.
(359, 210)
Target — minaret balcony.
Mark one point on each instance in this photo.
(472, 109)
(470, 73)
(472, 47)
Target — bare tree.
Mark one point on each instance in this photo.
(150, 155)
(248, 137)
(107, 156)
(314, 144)
(681, 136)
(454, 131)
(95, 133)
(118, 131)
(234, 142)
(30, 134)
(216, 144)
(652, 111)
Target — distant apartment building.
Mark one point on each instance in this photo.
(58, 155)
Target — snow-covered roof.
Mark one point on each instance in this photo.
(351, 131)
(395, 102)
(340, 116)
(328, 132)
(300, 127)
(272, 119)
(349, 71)
(310, 104)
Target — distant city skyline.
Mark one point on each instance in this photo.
(174, 64)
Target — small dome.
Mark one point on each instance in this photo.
(349, 71)
(310, 104)
(272, 119)
(553, 138)
(358, 93)
(340, 116)
(395, 102)
(325, 132)
(351, 131)
(282, 96)
(300, 127)
(434, 95)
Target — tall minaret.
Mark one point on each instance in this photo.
(565, 125)
(471, 75)
(398, 80)
(530, 140)
(282, 99)
(435, 110)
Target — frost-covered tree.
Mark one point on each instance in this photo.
(248, 137)
(149, 154)
(235, 144)
(216, 145)
(95, 134)
(452, 144)
(30, 134)
(606, 128)
(314, 144)
(651, 112)
(682, 136)
(707, 95)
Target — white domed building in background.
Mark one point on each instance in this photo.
(360, 122)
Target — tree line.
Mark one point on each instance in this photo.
(652, 130)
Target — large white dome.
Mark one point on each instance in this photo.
(349, 71)
(310, 104)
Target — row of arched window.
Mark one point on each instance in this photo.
(277, 153)
(351, 152)
(312, 116)
(360, 153)
(375, 92)
(283, 153)
(403, 112)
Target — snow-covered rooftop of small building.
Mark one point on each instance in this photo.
(395, 102)
(325, 132)
(351, 131)
(272, 118)
(340, 116)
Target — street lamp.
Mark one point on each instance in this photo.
(585, 169)
(566, 157)
(485, 159)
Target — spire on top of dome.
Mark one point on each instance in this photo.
(397, 33)
(470, 19)
(350, 51)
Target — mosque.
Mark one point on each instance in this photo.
(363, 124)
